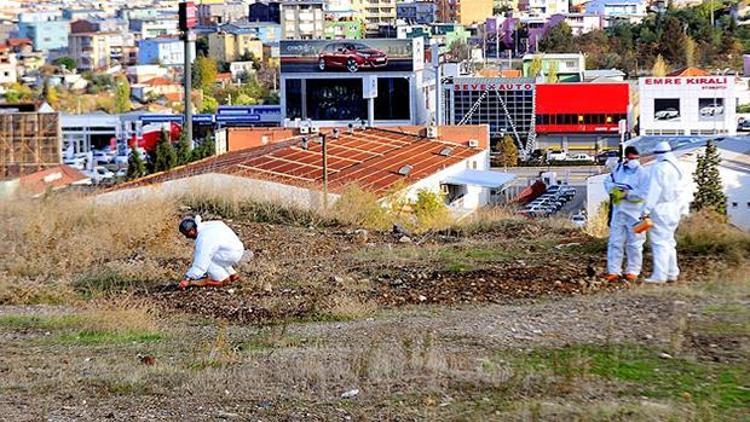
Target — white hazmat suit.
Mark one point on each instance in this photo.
(663, 205)
(217, 250)
(626, 212)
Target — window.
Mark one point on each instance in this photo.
(293, 98)
(392, 102)
(335, 99)
(734, 205)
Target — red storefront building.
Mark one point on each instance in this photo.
(581, 116)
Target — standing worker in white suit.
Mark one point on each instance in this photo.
(664, 207)
(217, 251)
(625, 185)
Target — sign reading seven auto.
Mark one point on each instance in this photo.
(351, 56)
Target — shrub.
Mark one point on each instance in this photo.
(706, 233)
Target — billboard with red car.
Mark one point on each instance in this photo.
(352, 56)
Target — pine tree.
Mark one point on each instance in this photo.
(165, 157)
(136, 166)
(508, 152)
(205, 148)
(184, 150)
(122, 95)
(710, 194)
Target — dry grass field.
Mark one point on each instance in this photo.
(491, 318)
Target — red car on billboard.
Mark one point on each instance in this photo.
(350, 56)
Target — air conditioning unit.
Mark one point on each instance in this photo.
(473, 143)
(314, 129)
(304, 130)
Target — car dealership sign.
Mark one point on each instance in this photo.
(471, 84)
(705, 82)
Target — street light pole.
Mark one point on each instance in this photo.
(188, 89)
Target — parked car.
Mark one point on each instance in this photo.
(103, 157)
(580, 156)
(121, 173)
(556, 155)
(667, 114)
(351, 56)
(743, 126)
(602, 157)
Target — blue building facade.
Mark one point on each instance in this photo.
(46, 35)
(416, 12)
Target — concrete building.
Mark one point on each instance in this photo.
(219, 13)
(375, 13)
(229, 44)
(46, 35)
(417, 12)
(163, 51)
(8, 66)
(376, 160)
(267, 32)
(343, 29)
(687, 105)
(569, 67)
(302, 19)
(91, 50)
(464, 12)
(154, 27)
(613, 11)
(265, 11)
(543, 7)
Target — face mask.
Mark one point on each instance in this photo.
(632, 164)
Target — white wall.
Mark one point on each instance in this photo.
(737, 187)
(236, 187)
(475, 197)
(689, 90)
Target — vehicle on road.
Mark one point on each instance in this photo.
(350, 56)
(579, 156)
(602, 157)
(556, 155)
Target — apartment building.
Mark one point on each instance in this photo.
(91, 50)
(302, 19)
(8, 73)
(375, 13)
(229, 44)
(464, 12)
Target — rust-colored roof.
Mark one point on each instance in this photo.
(173, 96)
(159, 81)
(223, 77)
(52, 178)
(369, 158)
(689, 71)
(15, 42)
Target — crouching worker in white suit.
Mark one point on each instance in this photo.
(217, 251)
(664, 207)
(625, 186)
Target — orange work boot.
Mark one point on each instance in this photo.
(631, 277)
(233, 278)
(207, 282)
(612, 277)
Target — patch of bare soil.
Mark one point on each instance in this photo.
(298, 272)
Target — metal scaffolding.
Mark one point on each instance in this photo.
(29, 142)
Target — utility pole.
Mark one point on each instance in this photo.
(324, 146)
(435, 47)
(187, 21)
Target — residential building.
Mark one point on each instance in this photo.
(343, 29)
(219, 13)
(632, 11)
(302, 19)
(265, 11)
(238, 70)
(145, 72)
(464, 12)
(336, 10)
(228, 45)
(8, 65)
(46, 35)
(70, 14)
(40, 16)
(155, 88)
(417, 12)
(266, 32)
(543, 7)
(90, 50)
(163, 51)
(569, 67)
(375, 13)
(154, 27)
